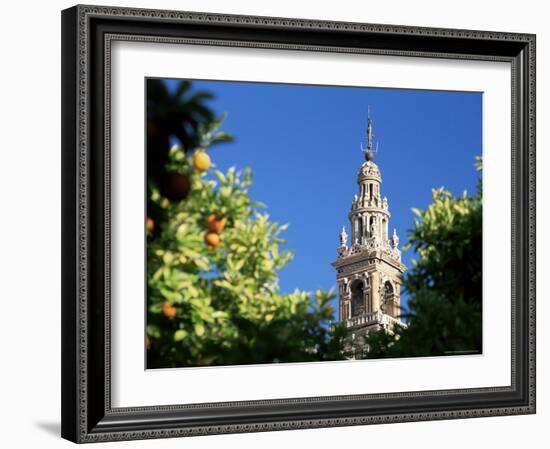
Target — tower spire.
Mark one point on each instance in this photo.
(369, 155)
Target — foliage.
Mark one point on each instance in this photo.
(178, 115)
(224, 301)
(173, 115)
(445, 284)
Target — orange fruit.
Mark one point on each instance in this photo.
(150, 224)
(175, 186)
(164, 203)
(212, 239)
(169, 310)
(201, 160)
(215, 224)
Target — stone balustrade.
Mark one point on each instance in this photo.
(366, 319)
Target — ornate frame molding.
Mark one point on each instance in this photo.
(88, 32)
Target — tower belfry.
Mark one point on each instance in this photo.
(369, 269)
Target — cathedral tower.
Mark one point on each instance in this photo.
(369, 270)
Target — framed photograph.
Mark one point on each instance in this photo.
(276, 224)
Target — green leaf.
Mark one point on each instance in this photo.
(199, 329)
(179, 335)
(153, 331)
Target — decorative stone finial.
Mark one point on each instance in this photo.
(394, 239)
(343, 237)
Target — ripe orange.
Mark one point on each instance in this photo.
(165, 203)
(215, 224)
(150, 224)
(212, 239)
(175, 186)
(169, 310)
(201, 160)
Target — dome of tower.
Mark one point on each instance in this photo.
(369, 171)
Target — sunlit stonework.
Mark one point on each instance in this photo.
(369, 269)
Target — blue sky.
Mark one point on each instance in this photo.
(303, 145)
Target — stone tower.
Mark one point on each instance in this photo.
(369, 270)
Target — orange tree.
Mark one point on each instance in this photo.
(212, 276)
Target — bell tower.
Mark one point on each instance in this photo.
(369, 270)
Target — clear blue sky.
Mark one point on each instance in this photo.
(303, 145)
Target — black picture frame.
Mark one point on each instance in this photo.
(87, 414)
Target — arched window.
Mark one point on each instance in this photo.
(388, 298)
(357, 307)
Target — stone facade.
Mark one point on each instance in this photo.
(369, 269)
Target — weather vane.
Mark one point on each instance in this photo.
(369, 152)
